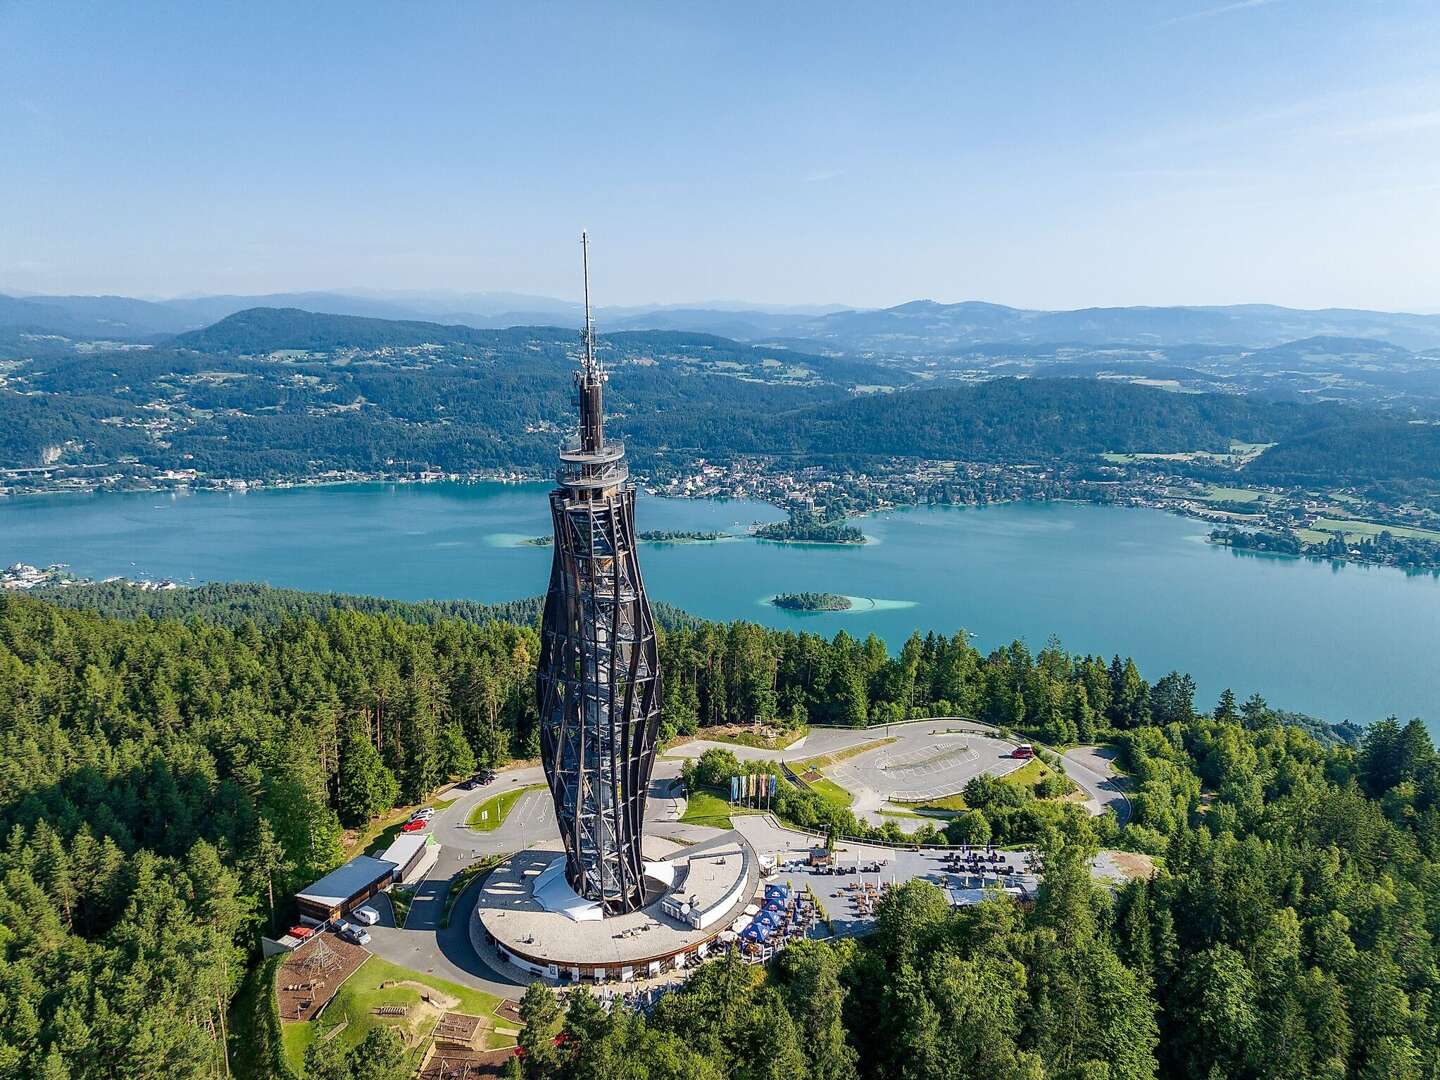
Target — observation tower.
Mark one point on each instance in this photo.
(598, 685)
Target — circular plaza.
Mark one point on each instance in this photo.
(529, 915)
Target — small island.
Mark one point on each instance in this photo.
(811, 601)
(675, 536)
(811, 527)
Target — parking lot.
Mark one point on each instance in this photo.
(926, 764)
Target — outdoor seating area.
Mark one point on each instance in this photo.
(863, 896)
(989, 865)
(783, 916)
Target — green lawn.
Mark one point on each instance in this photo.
(831, 792)
(949, 804)
(1027, 776)
(296, 1039)
(754, 741)
(491, 814)
(354, 1004)
(1355, 528)
(704, 808)
(461, 881)
(1234, 494)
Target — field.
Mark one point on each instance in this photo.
(380, 983)
(491, 814)
(704, 808)
(828, 790)
(740, 737)
(1238, 454)
(1354, 528)
(1217, 493)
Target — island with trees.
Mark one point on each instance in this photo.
(811, 527)
(679, 536)
(812, 601)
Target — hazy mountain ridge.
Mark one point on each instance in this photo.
(920, 327)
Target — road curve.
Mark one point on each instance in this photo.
(1091, 767)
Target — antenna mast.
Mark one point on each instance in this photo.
(589, 358)
(589, 378)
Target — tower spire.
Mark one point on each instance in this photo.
(589, 335)
(589, 379)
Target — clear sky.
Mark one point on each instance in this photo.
(1039, 154)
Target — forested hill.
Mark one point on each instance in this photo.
(165, 787)
(263, 330)
(233, 604)
(1005, 419)
(273, 394)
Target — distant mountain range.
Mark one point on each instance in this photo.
(919, 328)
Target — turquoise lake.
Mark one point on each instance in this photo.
(1338, 641)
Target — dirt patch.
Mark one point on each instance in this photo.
(428, 994)
(450, 1063)
(1132, 864)
(312, 973)
(457, 1030)
(509, 1010)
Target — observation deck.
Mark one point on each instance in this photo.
(591, 470)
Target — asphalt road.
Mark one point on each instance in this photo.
(447, 952)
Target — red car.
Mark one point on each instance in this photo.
(413, 826)
(301, 932)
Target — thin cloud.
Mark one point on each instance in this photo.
(1221, 9)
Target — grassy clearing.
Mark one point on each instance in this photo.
(830, 791)
(824, 761)
(400, 898)
(1216, 493)
(296, 1039)
(949, 804)
(1028, 775)
(379, 982)
(1353, 529)
(749, 738)
(705, 808)
(491, 814)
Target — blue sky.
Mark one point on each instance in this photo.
(1051, 155)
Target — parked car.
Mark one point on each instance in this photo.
(301, 932)
(414, 825)
(425, 813)
(470, 783)
(356, 935)
(367, 915)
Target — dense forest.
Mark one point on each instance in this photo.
(1290, 932)
(165, 785)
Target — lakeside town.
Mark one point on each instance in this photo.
(1342, 525)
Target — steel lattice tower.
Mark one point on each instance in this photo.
(598, 685)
